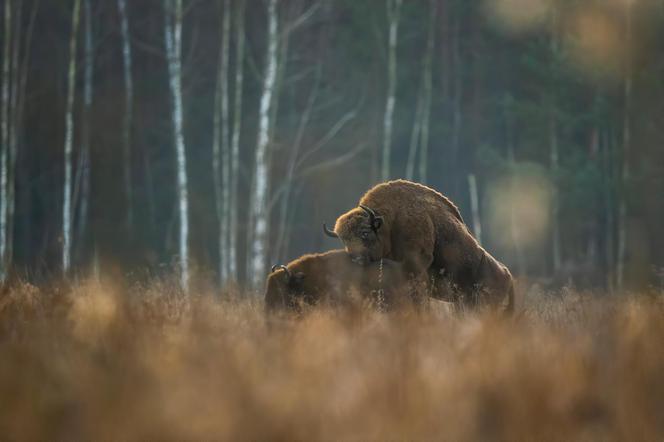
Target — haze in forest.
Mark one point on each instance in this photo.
(214, 138)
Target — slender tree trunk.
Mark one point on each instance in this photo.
(607, 175)
(173, 41)
(414, 138)
(259, 209)
(20, 82)
(553, 149)
(6, 79)
(393, 14)
(292, 165)
(511, 157)
(83, 174)
(427, 81)
(128, 111)
(457, 96)
(235, 142)
(626, 147)
(15, 117)
(475, 207)
(555, 207)
(69, 141)
(221, 155)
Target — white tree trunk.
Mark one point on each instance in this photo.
(83, 174)
(553, 150)
(173, 40)
(290, 171)
(607, 172)
(414, 138)
(428, 86)
(393, 13)
(475, 207)
(419, 140)
(626, 146)
(555, 207)
(128, 111)
(235, 142)
(511, 157)
(6, 64)
(259, 209)
(18, 83)
(457, 96)
(69, 141)
(221, 155)
(15, 116)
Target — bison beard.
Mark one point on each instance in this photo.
(330, 277)
(419, 227)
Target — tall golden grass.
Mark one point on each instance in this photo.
(96, 362)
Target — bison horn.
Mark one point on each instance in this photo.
(374, 220)
(282, 267)
(369, 211)
(329, 232)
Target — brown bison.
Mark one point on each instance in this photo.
(332, 277)
(419, 227)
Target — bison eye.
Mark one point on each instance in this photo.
(364, 235)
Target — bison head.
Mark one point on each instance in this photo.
(283, 288)
(363, 233)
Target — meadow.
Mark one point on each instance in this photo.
(97, 360)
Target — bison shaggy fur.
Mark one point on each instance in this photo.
(331, 277)
(419, 227)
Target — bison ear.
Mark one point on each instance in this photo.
(377, 223)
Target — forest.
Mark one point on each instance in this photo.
(215, 137)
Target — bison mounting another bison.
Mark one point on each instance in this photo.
(333, 278)
(401, 233)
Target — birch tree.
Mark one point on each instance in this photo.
(221, 155)
(69, 140)
(419, 140)
(292, 165)
(457, 96)
(553, 148)
(13, 127)
(17, 54)
(511, 158)
(128, 110)
(393, 14)
(626, 147)
(259, 207)
(475, 207)
(173, 44)
(235, 140)
(6, 65)
(83, 175)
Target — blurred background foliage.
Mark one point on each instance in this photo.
(509, 79)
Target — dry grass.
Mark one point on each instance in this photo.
(94, 362)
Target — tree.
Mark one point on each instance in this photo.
(393, 15)
(6, 79)
(553, 145)
(128, 110)
(626, 147)
(82, 185)
(235, 141)
(221, 155)
(173, 43)
(259, 203)
(69, 141)
(420, 135)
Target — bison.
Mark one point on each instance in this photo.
(415, 225)
(332, 277)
